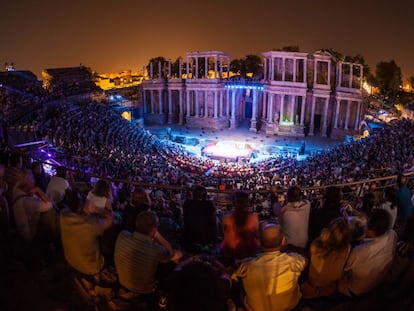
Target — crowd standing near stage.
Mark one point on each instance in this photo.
(271, 251)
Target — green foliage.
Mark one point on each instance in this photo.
(388, 77)
(336, 56)
(289, 48)
(237, 66)
(175, 70)
(249, 64)
(411, 80)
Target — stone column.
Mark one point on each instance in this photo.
(221, 104)
(338, 105)
(339, 73)
(253, 121)
(180, 69)
(206, 67)
(302, 111)
(272, 69)
(170, 107)
(233, 110)
(292, 108)
(315, 69)
(228, 103)
(215, 67)
(283, 68)
(180, 102)
(152, 102)
(304, 71)
(312, 125)
(294, 70)
(264, 67)
(254, 108)
(221, 67)
(329, 73)
(205, 104)
(265, 105)
(187, 65)
(228, 67)
(325, 118)
(160, 102)
(358, 114)
(197, 107)
(270, 108)
(351, 74)
(188, 102)
(282, 108)
(144, 100)
(215, 105)
(348, 108)
(196, 74)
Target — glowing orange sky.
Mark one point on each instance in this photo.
(110, 36)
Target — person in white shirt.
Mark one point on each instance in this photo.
(294, 217)
(390, 205)
(58, 185)
(371, 260)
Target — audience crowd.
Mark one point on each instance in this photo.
(274, 250)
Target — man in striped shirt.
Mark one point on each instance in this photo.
(138, 254)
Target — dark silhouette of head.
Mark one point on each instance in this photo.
(102, 188)
(294, 194)
(198, 283)
(379, 221)
(146, 222)
(333, 197)
(199, 193)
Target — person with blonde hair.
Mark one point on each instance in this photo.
(328, 255)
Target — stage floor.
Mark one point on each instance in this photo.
(266, 145)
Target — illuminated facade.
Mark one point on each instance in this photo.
(299, 94)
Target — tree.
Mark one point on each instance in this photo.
(249, 64)
(237, 66)
(175, 68)
(336, 56)
(254, 65)
(411, 80)
(388, 77)
(155, 61)
(289, 48)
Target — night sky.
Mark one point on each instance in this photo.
(110, 36)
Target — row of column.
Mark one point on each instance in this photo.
(348, 104)
(218, 62)
(220, 109)
(228, 108)
(351, 74)
(269, 68)
(269, 108)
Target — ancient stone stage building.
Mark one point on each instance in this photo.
(299, 94)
